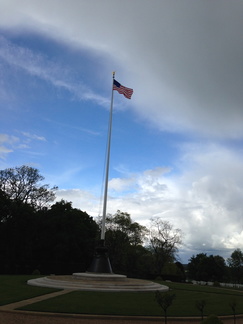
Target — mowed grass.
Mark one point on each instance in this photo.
(144, 304)
(15, 288)
(217, 300)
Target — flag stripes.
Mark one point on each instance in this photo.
(127, 92)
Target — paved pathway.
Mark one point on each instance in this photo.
(37, 299)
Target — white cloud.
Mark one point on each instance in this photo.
(4, 138)
(118, 184)
(208, 208)
(4, 151)
(81, 199)
(10, 143)
(7, 143)
(182, 58)
(34, 137)
(234, 240)
(40, 66)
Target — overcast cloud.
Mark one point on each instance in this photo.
(184, 61)
(187, 54)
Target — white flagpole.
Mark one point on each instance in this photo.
(107, 165)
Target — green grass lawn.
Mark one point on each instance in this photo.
(15, 288)
(144, 304)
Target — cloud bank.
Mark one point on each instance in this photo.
(184, 59)
(204, 200)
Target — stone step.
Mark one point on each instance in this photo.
(70, 282)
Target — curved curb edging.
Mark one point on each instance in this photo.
(27, 317)
(83, 284)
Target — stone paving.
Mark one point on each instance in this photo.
(97, 283)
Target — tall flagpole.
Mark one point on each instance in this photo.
(107, 164)
(101, 262)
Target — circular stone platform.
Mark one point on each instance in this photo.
(97, 282)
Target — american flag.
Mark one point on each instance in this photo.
(127, 92)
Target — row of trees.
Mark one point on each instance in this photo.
(57, 238)
(214, 268)
(54, 240)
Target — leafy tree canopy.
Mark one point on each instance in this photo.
(23, 184)
(207, 268)
(122, 222)
(235, 263)
(164, 241)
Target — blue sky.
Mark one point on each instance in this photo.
(176, 145)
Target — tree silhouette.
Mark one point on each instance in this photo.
(164, 300)
(22, 184)
(163, 241)
(233, 307)
(200, 304)
(235, 263)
